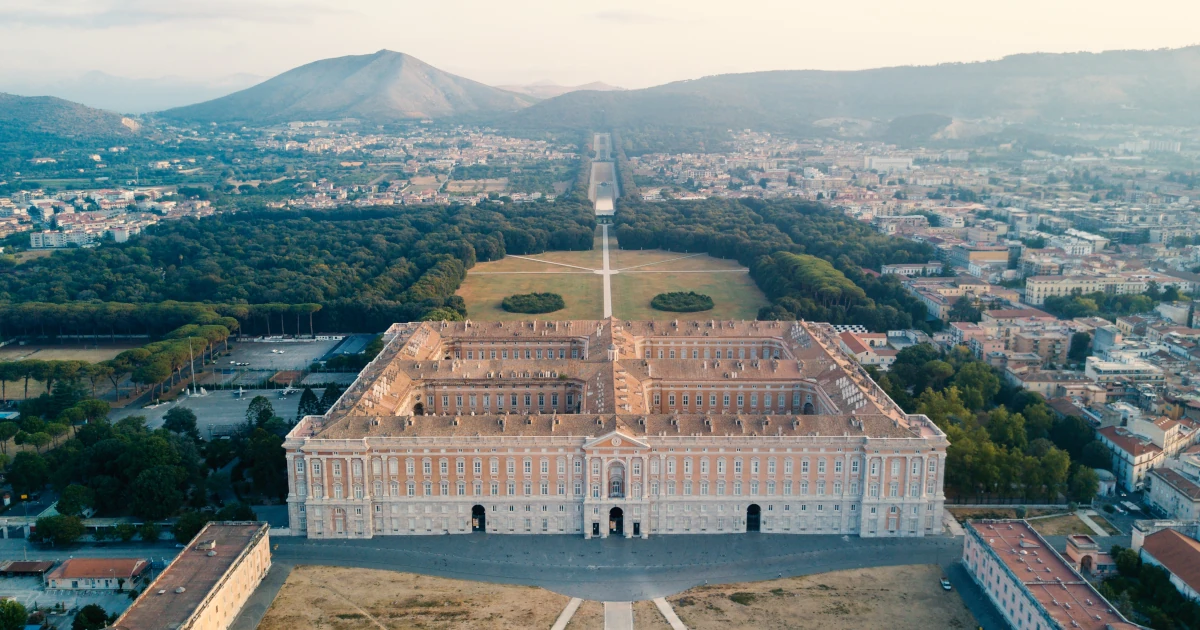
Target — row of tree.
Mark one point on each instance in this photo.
(283, 271)
(807, 258)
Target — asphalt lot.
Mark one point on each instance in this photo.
(296, 355)
(218, 408)
(617, 569)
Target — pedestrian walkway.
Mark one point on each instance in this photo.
(1086, 517)
(565, 616)
(607, 273)
(669, 614)
(618, 616)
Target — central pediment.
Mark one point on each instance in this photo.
(615, 439)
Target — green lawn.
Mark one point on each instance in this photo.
(583, 293)
(734, 294)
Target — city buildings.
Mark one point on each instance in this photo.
(614, 428)
(1032, 586)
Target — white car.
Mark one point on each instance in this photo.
(945, 584)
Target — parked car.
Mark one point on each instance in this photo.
(945, 584)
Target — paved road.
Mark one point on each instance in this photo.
(617, 569)
(607, 272)
(618, 616)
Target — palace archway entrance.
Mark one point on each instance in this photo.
(478, 519)
(753, 518)
(616, 522)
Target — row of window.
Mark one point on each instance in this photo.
(530, 353)
(718, 353)
(616, 489)
(769, 401)
(755, 466)
(513, 401)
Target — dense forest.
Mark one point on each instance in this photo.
(355, 270)
(800, 253)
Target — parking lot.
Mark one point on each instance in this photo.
(30, 592)
(217, 410)
(275, 356)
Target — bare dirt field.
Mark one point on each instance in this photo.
(888, 597)
(590, 616)
(343, 599)
(91, 353)
(477, 185)
(1061, 526)
(647, 617)
(427, 181)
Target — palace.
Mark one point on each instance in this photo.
(614, 428)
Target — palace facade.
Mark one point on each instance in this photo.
(611, 427)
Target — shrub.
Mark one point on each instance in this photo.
(533, 303)
(742, 598)
(680, 302)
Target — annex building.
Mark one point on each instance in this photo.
(614, 428)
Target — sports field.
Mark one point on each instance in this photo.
(91, 353)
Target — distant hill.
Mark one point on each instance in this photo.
(1148, 87)
(385, 86)
(550, 90)
(131, 96)
(28, 117)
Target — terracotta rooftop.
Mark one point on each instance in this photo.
(1178, 553)
(612, 380)
(196, 572)
(1068, 598)
(1129, 442)
(83, 568)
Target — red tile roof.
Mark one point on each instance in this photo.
(1047, 577)
(99, 568)
(1178, 553)
(1128, 442)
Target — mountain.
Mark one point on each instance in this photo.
(47, 117)
(550, 90)
(134, 96)
(1145, 87)
(385, 86)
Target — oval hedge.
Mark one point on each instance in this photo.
(681, 302)
(533, 303)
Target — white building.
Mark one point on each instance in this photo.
(1032, 586)
(1174, 494)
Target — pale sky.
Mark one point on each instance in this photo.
(623, 42)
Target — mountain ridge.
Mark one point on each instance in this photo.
(1154, 86)
(23, 117)
(382, 87)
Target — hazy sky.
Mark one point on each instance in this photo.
(624, 42)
